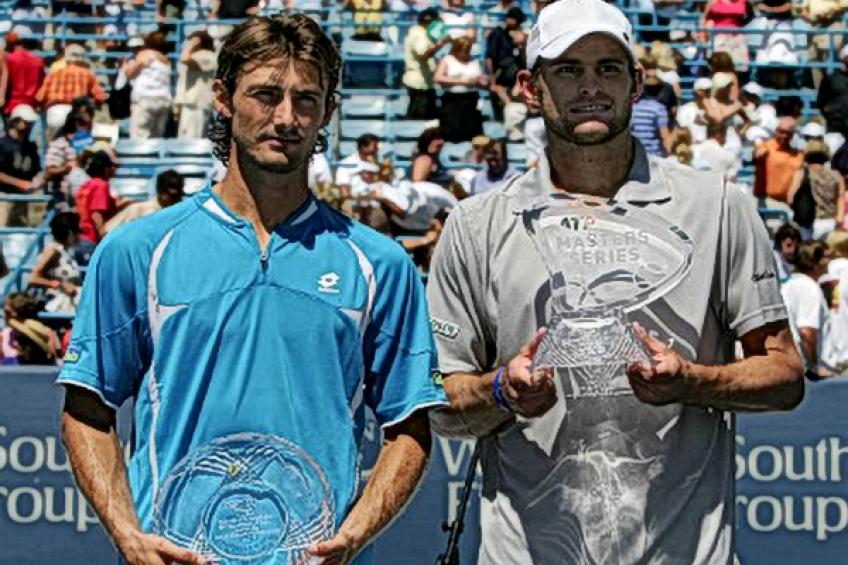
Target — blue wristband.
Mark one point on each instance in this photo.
(500, 401)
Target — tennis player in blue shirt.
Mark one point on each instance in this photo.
(252, 325)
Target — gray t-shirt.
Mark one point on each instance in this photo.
(606, 478)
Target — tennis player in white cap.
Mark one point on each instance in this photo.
(637, 467)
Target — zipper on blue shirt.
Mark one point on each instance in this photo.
(263, 259)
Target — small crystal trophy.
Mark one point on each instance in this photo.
(604, 260)
(246, 499)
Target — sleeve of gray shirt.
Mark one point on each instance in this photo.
(750, 292)
(454, 288)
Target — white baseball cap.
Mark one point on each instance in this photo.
(753, 89)
(24, 112)
(722, 80)
(812, 129)
(561, 24)
(703, 83)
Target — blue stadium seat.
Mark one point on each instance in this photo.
(364, 106)
(410, 129)
(15, 244)
(517, 153)
(495, 130)
(455, 152)
(201, 147)
(135, 188)
(346, 148)
(403, 150)
(352, 129)
(139, 149)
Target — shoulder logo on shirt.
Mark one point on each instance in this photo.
(446, 329)
(765, 275)
(71, 355)
(438, 378)
(329, 283)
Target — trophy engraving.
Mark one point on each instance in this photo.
(246, 498)
(604, 260)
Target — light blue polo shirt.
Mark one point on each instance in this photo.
(215, 339)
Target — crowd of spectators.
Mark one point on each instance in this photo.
(712, 99)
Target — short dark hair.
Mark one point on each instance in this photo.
(157, 41)
(787, 231)
(808, 255)
(206, 41)
(427, 15)
(64, 224)
(366, 139)
(168, 180)
(262, 38)
(98, 164)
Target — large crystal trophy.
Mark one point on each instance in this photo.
(246, 499)
(605, 260)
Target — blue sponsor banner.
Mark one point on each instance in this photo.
(791, 500)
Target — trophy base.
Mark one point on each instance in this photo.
(592, 352)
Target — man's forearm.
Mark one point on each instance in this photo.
(763, 382)
(98, 467)
(472, 410)
(398, 470)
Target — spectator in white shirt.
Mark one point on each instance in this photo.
(809, 315)
(691, 114)
(459, 19)
(497, 171)
(367, 147)
(710, 154)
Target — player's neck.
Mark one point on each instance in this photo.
(596, 170)
(263, 198)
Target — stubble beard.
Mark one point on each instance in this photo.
(249, 161)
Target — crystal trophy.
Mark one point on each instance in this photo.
(604, 260)
(246, 499)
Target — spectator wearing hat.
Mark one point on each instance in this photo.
(63, 150)
(24, 73)
(196, 73)
(19, 164)
(61, 87)
(692, 115)
(823, 187)
(656, 88)
(832, 99)
(775, 163)
(762, 115)
(419, 51)
(724, 108)
(95, 203)
(504, 58)
(150, 75)
(26, 341)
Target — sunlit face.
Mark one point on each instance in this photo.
(587, 92)
(495, 161)
(277, 110)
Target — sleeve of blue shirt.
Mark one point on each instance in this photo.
(400, 355)
(111, 344)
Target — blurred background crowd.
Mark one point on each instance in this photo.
(106, 108)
